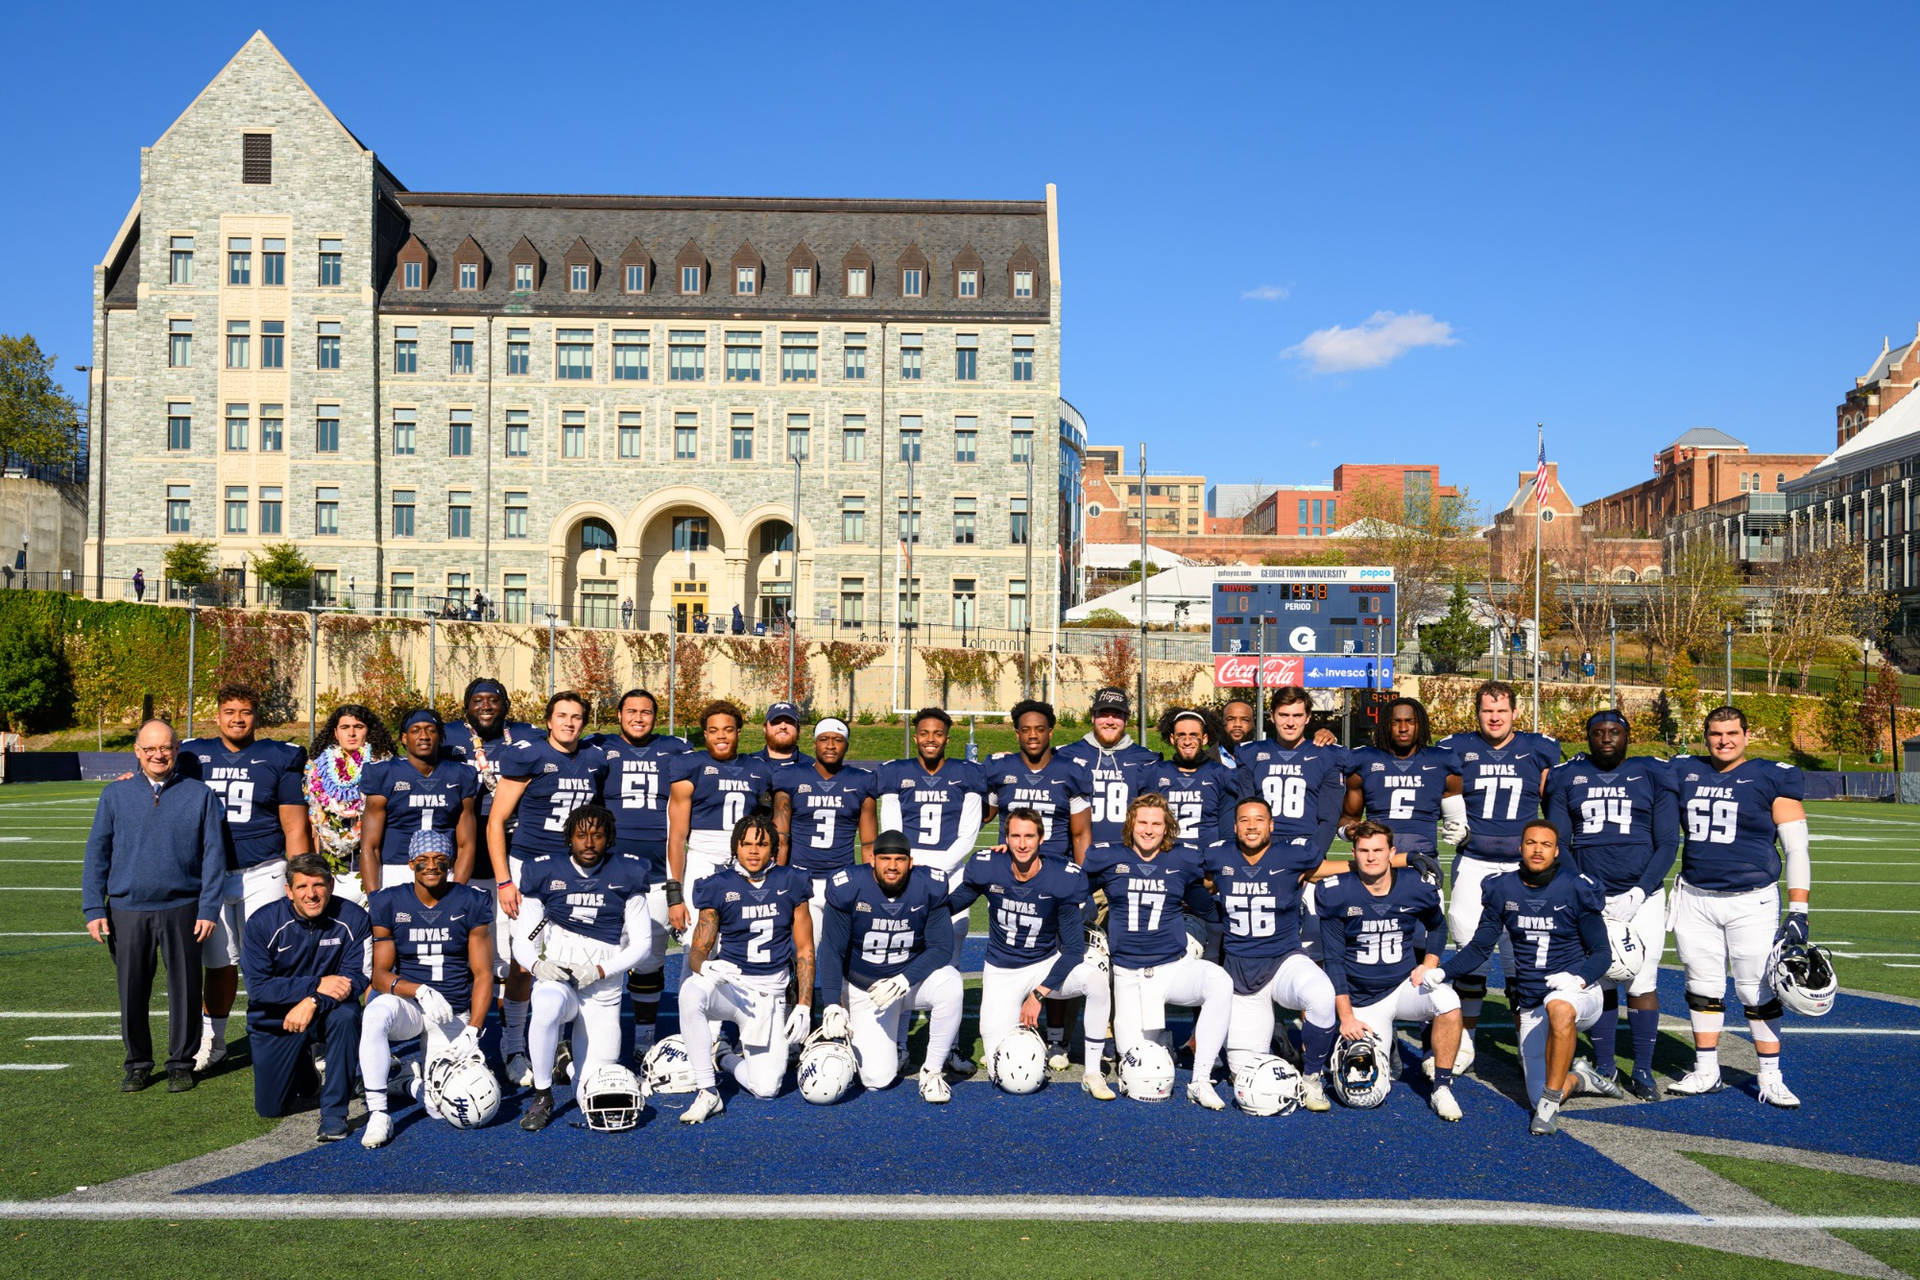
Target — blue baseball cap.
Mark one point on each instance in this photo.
(783, 711)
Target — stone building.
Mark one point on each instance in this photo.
(576, 400)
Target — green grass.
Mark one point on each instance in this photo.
(780, 1250)
(1811, 1191)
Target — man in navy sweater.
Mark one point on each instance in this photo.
(153, 884)
(307, 959)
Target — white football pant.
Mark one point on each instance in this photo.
(387, 1020)
(246, 892)
(1003, 991)
(1533, 1028)
(876, 1031)
(1140, 1006)
(1299, 984)
(757, 1004)
(1407, 1003)
(1714, 931)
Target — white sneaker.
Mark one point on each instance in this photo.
(1443, 1104)
(1313, 1094)
(1591, 1081)
(1697, 1082)
(1461, 1060)
(1775, 1093)
(958, 1065)
(706, 1103)
(1201, 1091)
(379, 1130)
(1546, 1119)
(1095, 1084)
(520, 1070)
(1058, 1060)
(934, 1087)
(212, 1050)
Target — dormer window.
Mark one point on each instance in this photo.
(636, 278)
(1023, 284)
(523, 277)
(969, 284)
(410, 275)
(802, 282)
(912, 282)
(579, 278)
(689, 279)
(745, 280)
(469, 276)
(856, 282)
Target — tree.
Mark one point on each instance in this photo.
(1426, 544)
(39, 422)
(1453, 643)
(282, 566)
(1879, 705)
(190, 563)
(1843, 722)
(1682, 699)
(1694, 598)
(1590, 594)
(1116, 663)
(1815, 599)
(31, 682)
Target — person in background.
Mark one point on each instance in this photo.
(351, 739)
(739, 621)
(626, 613)
(139, 585)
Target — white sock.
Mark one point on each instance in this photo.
(376, 1100)
(1707, 1060)
(1769, 1068)
(513, 1039)
(214, 1029)
(1091, 1053)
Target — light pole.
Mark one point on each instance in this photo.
(193, 618)
(1143, 591)
(793, 593)
(99, 592)
(313, 666)
(909, 535)
(1026, 677)
(554, 623)
(1729, 661)
(1613, 643)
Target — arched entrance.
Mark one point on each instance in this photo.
(771, 571)
(683, 567)
(584, 559)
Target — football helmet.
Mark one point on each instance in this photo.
(1018, 1062)
(1267, 1086)
(461, 1087)
(611, 1098)
(1628, 955)
(1146, 1072)
(1361, 1078)
(828, 1062)
(669, 1067)
(1803, 977)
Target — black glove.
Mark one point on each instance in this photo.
(1426, 866)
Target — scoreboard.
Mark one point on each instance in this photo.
(1324, 612)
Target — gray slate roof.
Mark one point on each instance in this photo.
(1709, 438)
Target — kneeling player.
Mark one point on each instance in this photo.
(1375, 923)
(432, 970)
(1036, 943)
(587, 913)
(1555, 918)
(756, 915)
(889, 942)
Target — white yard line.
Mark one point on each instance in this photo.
(51, 1039)
(75, 933)
(33, 1066)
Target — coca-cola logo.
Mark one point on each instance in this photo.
(1277, 670)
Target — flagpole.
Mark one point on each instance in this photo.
(1539, 507)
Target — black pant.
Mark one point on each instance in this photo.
(282, 1071)
(137, 937)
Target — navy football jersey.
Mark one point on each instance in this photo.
(416, 801)
(1622, 828)
(1145, 897)
(430, 943)
(592, 903)
(1027, 920)
(1260, 901)
(1111, 777)
(929, 805)
(637, 792)
(252, 784)
(482, 755)
(1056, 791)
(1202, 800)
(1502, 788)
(1303, 787)
(824, 826)
(883, 935)
(1557, 928)
(724, 791)
(798, 757)
(1727, 820)
(1404, 792)
(558, 782)
(1371, 942)
(756, 921)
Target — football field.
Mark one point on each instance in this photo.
(1054, 1184)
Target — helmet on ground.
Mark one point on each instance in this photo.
(1146, 1072)
(1360, 1073)
(1266, 1086)
(828, 1065)
(611, 1098)
(1803, 977)
(1018, 1062)
(462, 1088)
(669, 1067)
(1628, 955)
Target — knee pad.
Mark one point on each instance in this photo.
(1470, 986)
(1610, 998)
(1768, 1012)
(1705, 1004)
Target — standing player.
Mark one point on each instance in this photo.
(936, 803)
(260, 783)
(1554, 918)
(1619, 820)
(432, 971)
(887, 952)
(418, 790)
(823, 810)
(708, 793)
(637, 777)
(1378, 924)
(1405, 782)
(1200, 791)
(1503, 774)
(549, 778)
(1239, 719)
(487, 728)
(783, 737)
(1726, 903)
(1039, 778)
(586, 914)
(1036, 944)
(1303, 784)
(1110, 757)
(754, 932)
(1147, 880)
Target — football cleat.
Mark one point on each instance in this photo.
(1776, 1094)
(1443, 1103)
(520, 1070)
(1546, 1118)
(933, 1086)
(379, 1130)
(958, 1065)
(1313, 1093)
(1058, 1059)
(1642, 1085)
(1591, 1081)
(1095, 1085)
(540, 1113)
(212, 1051)
(1697, 1082)
(1202, 1092)
(706, 1104)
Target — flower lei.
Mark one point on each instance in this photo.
(333, 784)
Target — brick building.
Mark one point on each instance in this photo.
(1382, 490)
(1700, 469)
(1175, 506)
(1883, 386)
(1569, 540)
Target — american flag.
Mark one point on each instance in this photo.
(1540, 473)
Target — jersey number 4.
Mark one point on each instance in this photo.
(1597, 814)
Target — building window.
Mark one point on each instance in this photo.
(515, 515)
(519, 434)
(1017, 522)
(686, 355)
(273, 428)
(406, 349)
(910, 356)
(579, 278)
(1023, 357)
(273, 261)
(236, 513)
(403, 513)
(459, 513)
(910, 282)
(273, 344)
(270, 504)
(573, 433)
(326, 586)
(746, 280)
(969, 284)
(239, 261)
(966, 357)
(856, 282)
(964, 511)
(238, 424)
(800, 283)
(179, 508)
(519, 353)
(256, 158)
(238, 340)
(966, 440)
(400, 592)
(469, 277)
(907, 518)
(1303, 521)
(180, 260)
(179, 426)
(1017, 604)
(853, 440)
(910, 434)
(326, 429)
(459, 433)
(459, 589)
(690, 279)
(775, 535)
(1332, 523)
(513, 598)
(629, 435)
(523, 277)
(573, 355)
(853, 519)
(963, 597)
(856, 351)
(853, 603)
(743, 357)
(330, 255)
(630, 355)
(179, 344)
(690, 533)
(686, 438)
(636, 278)
(1022, 443)
(404, 442)
(327, 345)
(1023, 284)
(799, 357)
(410, 273)
(460, 351)
(742, 437)
(326, 512)
(799, 437)
(1780, 480)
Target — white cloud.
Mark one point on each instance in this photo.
(1267, 293)
(1379, 340)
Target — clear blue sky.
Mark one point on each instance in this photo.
(1290, 237)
